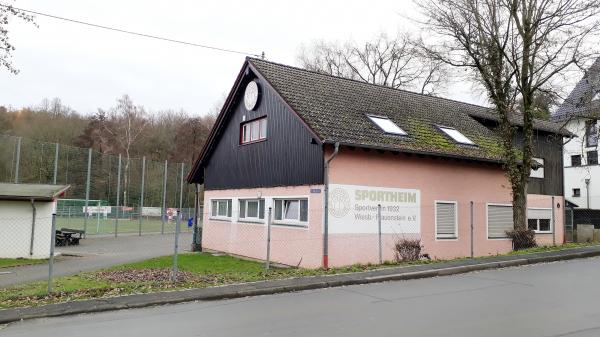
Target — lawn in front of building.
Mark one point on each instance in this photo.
(6, 263)
(196, 270)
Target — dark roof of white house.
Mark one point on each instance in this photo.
(584, 100)
(37, 192)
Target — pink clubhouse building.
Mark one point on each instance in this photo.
(287, 137)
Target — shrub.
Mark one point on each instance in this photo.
(522, 238)
(408, 249)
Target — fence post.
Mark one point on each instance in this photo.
(118, 197)
(87, 191)
(572, 224)
(51, 257)
(98, 218)
(18, 160)
(164, 201)
(142, 195)
(267, 264)
(177, 225)
(55, 164)
(379, 232)
(553, 224)
(472, 230)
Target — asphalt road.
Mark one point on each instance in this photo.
(557, 299)
(97, 252)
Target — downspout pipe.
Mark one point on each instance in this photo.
(33, 216)
(326, 205)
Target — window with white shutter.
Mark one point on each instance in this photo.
(499, 220)
(540, 219)
(445, 220)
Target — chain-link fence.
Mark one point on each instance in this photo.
(582, 224)
(120, 194)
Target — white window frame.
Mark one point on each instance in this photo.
(487, 220)
(377, 120)
(245, 218)
(247, 127)
(291, 223)
(220, 217)
(446, 129)
(442, 238)
(538, 224)
(539, 172)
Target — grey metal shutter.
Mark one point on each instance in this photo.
(445, 220)
(533, 213)
(500, 220)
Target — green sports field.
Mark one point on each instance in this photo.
(107, 226)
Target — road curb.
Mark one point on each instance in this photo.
(290, 285)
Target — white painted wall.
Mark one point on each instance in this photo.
(575, 176)
(15, 229)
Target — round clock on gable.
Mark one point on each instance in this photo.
(251, 95)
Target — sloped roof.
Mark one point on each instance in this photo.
(584, 100)
(336, 110)
(38, 192)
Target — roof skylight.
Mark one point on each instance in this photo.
(456, 135)
(387, 125)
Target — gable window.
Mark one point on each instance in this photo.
(576, 160)
(592, 157)
(445, 220)
(252, 209)
(220, 208)
(577, 192)
(499, 221)
(387, 125)
(537, 171)
(253, 131)
(291, 211)
(539, 220)
(456, 135)
(591, 133)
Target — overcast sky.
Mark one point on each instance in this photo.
(89, 68)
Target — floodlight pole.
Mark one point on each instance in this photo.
(181, 190)
(118, 197)
(87, 191)
(55, 163)
(142, 195)
(18, 160)
(163, 210)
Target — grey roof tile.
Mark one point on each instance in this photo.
(336, 109)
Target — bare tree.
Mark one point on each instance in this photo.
(393, 62)
(6, 47)
(514, 48)
(125, 124)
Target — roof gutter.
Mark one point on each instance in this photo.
(326, 205)
(424, 153)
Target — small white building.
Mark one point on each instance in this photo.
(580, 113)
(26, 219)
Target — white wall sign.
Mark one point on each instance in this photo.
(353, 209)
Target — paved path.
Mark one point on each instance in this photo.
(96, 253)
(555, 299)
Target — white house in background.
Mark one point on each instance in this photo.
(580, 112)
(26, 219)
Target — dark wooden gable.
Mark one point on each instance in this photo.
(290, 156)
